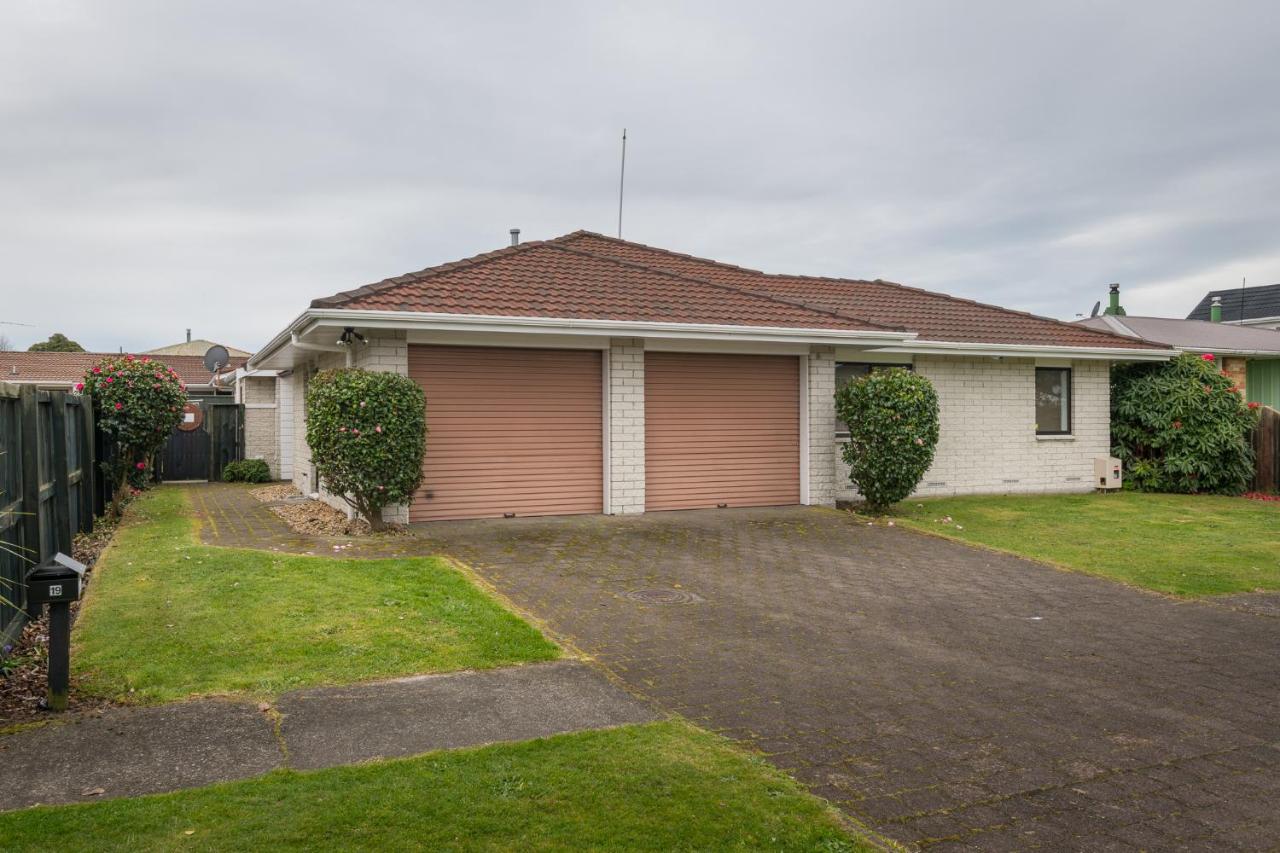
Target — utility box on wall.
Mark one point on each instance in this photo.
(1106, 473)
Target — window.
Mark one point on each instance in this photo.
(853, 370)
(1053, 401)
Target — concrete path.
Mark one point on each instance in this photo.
(125, 752)
(949, 697)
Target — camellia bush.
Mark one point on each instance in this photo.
(1181, 426)
(893, 431)
(367, 433)
(136, 402)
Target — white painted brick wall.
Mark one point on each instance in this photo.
(261, 436)
(822, 426)
(285, 425)
(987, 441)
(626, 425)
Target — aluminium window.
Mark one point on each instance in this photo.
(853, 370)
(1053, 401)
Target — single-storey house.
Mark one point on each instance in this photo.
(1242, 306)
(1250, 355)
(62, 370)
(586, 374)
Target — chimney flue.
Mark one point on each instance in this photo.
(1113, 308)
(515, 236)
(1215, 310)
(188, 336)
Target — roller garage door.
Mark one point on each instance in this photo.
(721, 429)
(509, 431)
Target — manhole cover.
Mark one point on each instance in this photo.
(663, 596)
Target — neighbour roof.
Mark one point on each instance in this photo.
(197, 347)
(1241, 303)
(590, 276)
(70, 367)
(549, 279)
(1199, 335)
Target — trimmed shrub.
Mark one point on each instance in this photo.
(367, 433)
(136, 403)
(1181, 426)
(246, 471)
(893, 430)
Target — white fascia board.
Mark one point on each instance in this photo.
(316, 318)
(1257, 353)
(1016, 350)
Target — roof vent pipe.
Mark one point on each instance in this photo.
(515, 236)
(1215, 310)
(188, 336)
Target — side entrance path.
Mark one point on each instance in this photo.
(949, 697)
(126, 752)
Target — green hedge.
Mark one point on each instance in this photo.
(246, 471)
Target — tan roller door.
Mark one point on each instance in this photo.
(721, 429)
(509, 431)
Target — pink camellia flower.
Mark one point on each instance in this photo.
(920, 442)
(79, 386)
(1207, 356)
(378, 428)
(1177, 424)
(146, 359)
(141, 466)
(342, 429)
(355, 431)
(182, 387)
(119, 406)
(128, 358)
(362, 404)
(97, 369)
(1254, 405)
(382, 488)
(110, 379)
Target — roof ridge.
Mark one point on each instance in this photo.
(729, 287)
(839, 280)
(427, 272)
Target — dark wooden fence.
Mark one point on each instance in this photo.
(1266, 446)
(47, 485)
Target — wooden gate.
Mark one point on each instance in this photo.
(1266, 447)
(210, 436)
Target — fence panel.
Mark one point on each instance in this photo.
(46, 486)
(1266, 447)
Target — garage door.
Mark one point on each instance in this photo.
(509, 431)
(721, 430)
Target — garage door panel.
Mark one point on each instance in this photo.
(509, 431)
(721, 429)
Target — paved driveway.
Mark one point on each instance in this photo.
(943, 695)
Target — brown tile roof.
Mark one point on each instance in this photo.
(584, 275)
(68, 368)
(549, 279)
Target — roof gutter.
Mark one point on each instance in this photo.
(1033, 350)
(314, 318)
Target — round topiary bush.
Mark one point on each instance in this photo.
(136, 403)
(893, 430)
(1181, 426)
(367, 433)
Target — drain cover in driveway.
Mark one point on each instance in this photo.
(663, 596)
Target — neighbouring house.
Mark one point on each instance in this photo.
(586, 374)
(1242, 306)
(1250, 355)
(62, 370)
(199, 347)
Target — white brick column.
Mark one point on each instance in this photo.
(625, 372)
(821, 388)
(386, 352)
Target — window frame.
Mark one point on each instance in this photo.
(842, 429)
(1070, 384)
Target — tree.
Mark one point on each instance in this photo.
(57, 342)
(136, 402)
(6, 345)
(1182, 426)
(893, 429)
(367, 433)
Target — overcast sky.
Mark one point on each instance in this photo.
(166, 165)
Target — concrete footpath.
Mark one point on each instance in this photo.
(126, 752)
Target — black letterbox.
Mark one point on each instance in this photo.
(57, 579)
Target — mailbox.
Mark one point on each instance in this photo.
(57, 579)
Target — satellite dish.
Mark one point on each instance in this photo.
(216, 357)
(1096, 306)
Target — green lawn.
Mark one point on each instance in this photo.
(1180, 544)
(663, 786)
(167, 617)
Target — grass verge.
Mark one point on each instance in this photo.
(662, 786)
(167, 617)
(1185, 545)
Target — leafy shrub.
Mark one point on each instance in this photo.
(136, 402)
(246, 471)
(1181, 426)
(367, 433)
(893, 430)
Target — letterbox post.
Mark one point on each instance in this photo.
(59, 654)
